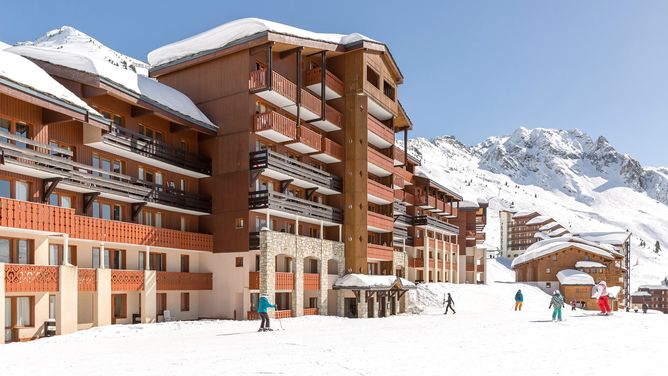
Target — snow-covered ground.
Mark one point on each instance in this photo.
(485, 337)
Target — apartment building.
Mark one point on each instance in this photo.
(655, 296)
(521, 229)
(100, 201)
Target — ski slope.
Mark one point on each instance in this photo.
(485, 337)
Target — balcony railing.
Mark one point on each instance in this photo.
(405, 174)
(273, 121)
(404, 219)
(127, 280)
(311, 102)
(170, 281)
(480, 236)
(283, 314)
(87, 280)
(424, 220)
(415, 262)
(381, 130)
(309, 137)
(293, 205)
(151, 148)
(378, 159)
(314, 76)
(380, 252)
(379, 190)
(311, 281)
(279, 84)
(399, 233)
(380, 221)
(27, 153)
(254, 240)
(400, 207)
(285, 281)
(31, 278)
(264, 159)
(310, 311)
(33, 216)
(331, 148)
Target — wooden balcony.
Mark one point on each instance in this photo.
(333, 120)
(259, 200)
(480, 237)
(333, 85)
(127, 280)
(311, 106)
(311, 312)
(330, 152)
(471, 235)
(283, 314)
(307, 141)
(399, 156)
(380, 106)
(405, 174)
(31, 278)
(378, 193)
(311, 281)
(253, 280)
(379, 252)
(281, 91)
(87, 280)
(379, 164)
(33, 216)
(275, 127)
(177, 281)
(281, 167)
(435, 223)
(398, 182)
(150, 149)
(379, 223)
(379, 134)
(26, 156)
(285, 281)
(404, 196)
(415, 262)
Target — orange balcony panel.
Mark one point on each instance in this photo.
(379, 193)
(311, 103)
(399, 156)
(285, 281)
(254, 280)
(281, 85)
(379, 134)
(283, 314)
(431, 201)
(127, 280)
(380, 222)
(379, 164)
(311, 312)
(311, 281)
(419, 242)
(31, 278)
(87, 279)
(275, 127)
(379, 252)
(432, 243)
(397, 182)
(415, 262)
(252, 315)
(307, 141)
(33, 216)
(479, 268)
(175, 281)
(405, 174)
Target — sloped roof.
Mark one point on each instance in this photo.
(554, 245)
(549, 226)
(372, 282)
(614, 237)
(538, 219)
(572, 277)
(525, 213)
(142, 87)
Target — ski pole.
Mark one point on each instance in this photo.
(280, 323)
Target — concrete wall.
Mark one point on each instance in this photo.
(230, 283)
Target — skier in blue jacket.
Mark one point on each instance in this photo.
(519, 299)
(262, 307)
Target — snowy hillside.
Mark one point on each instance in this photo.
(586, 185)
(70, 39)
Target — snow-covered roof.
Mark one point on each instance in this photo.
(230, 33)
(468, 205)
(614, 238)
(371, 282)
(641, 293)
(549, 226)
(27, 74)
(554, 245)
(537, 220)
(654, 287)
(589, 264)
(572, 277)
(524, 213)
(143, 87)
(557, 232)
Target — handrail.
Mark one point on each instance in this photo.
(265, 158)
(295, 205)
(31, 142)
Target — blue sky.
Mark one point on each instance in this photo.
(473, 68)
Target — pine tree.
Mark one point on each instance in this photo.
(657, 247)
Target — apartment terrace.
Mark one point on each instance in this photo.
(379, 193)
(379, 134)
(53, 219)
(314, 78)
(293, 206)
(281, 92)
(378, 163)
(425, 220)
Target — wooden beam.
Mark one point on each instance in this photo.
(53, 117)
(284, 184)
(135, 209)
(175, 127)
(48, 186)
(88, 200)
(309, 192)
(90, 91)
(136, 111)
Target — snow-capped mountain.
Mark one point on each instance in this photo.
(68, 38)
(583, 183)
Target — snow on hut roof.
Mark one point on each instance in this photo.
(468, 205)
(550, 246)
(27, 74)
(589, 264)
(641, 293)
(228, 34)
(371, 282)
(654, 287)
(145, 88)
(615, 237)
(572, 277)
(557, 232)
(549, 226)
(539, 219)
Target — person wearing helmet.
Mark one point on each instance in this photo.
(602, 296)
(262, 307)
(557, 303)
(519, 299)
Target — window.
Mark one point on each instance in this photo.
(54, 251)
(21, 191)
(312, 302)
(160, 303)
(151, 133)
(5, 188)
(388, 89)
(118, 120)
(119, 306)
(314, 232)
(185, 302)
(158, 219)
(95, 256)
(22, 130)
(158, 261)
(24, 312)
(118, 213)
(239, 223)
(239, 262)
(24, 251)
(141, 260)
(372, 77)
(185, 263)
(52, 307)
(547, 270)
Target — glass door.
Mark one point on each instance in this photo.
(8, 320)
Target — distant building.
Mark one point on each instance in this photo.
(521, 229)
(656, 297)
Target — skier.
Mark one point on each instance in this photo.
(557, 303)
(519, 299)
(451, 303)
(644, 308)
(572, 305)
(602, 296)
(262, 311)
